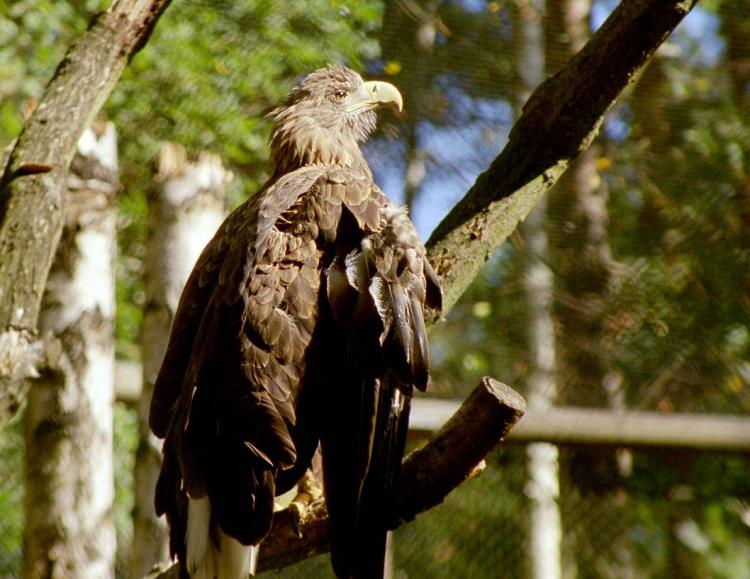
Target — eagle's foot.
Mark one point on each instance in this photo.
(308, 491)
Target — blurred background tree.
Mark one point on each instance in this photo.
(649, 246)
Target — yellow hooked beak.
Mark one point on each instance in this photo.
(375, 94)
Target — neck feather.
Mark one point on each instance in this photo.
(299, 141)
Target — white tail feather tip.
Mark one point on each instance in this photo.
(229, 559)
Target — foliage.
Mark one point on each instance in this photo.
(453, 539)
(213, 69)
(680, 213)
(34, 35)
(676, 316)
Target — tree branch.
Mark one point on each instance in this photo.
(33, 180)
(560, 120)
(454, 454)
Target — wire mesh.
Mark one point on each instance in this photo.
(668, 331)
(11, 499)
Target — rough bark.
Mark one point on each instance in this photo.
(559, 122)
(454, 454)
(185, 208)
(69, 470)
(33, 183)
(458, 449)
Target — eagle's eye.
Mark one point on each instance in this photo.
(339, 95)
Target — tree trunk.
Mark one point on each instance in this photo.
(542, 487)
(185, 208)
(33, 181)
(69, 474)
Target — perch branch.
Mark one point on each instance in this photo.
(428, 474)
(459, 447)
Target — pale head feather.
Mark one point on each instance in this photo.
(314, 126)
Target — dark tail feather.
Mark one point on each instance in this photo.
(420, 352)
(434, 298)
(361, 505)
(346, 441)
(377, 513)
(403, 331)
(171, 499)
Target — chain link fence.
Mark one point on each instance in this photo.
(672, 514)
(11, 499)
(668, 331)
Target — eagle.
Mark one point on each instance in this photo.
(301, 328)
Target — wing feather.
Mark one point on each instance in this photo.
(377, 289)
(225, 395)
(192, 304)
(253, 374)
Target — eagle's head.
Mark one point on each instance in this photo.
(326, 117)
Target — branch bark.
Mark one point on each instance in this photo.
(32, 182)
(454, 454)
(559, 121)
(457, 451)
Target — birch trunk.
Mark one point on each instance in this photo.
(543, 484)
(185, 208)
(69, 474)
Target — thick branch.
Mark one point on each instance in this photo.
(452, 456)
(459, 447)
(33, 180)
(560, 120)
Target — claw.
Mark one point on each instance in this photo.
(295, 516)
(308, 491)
